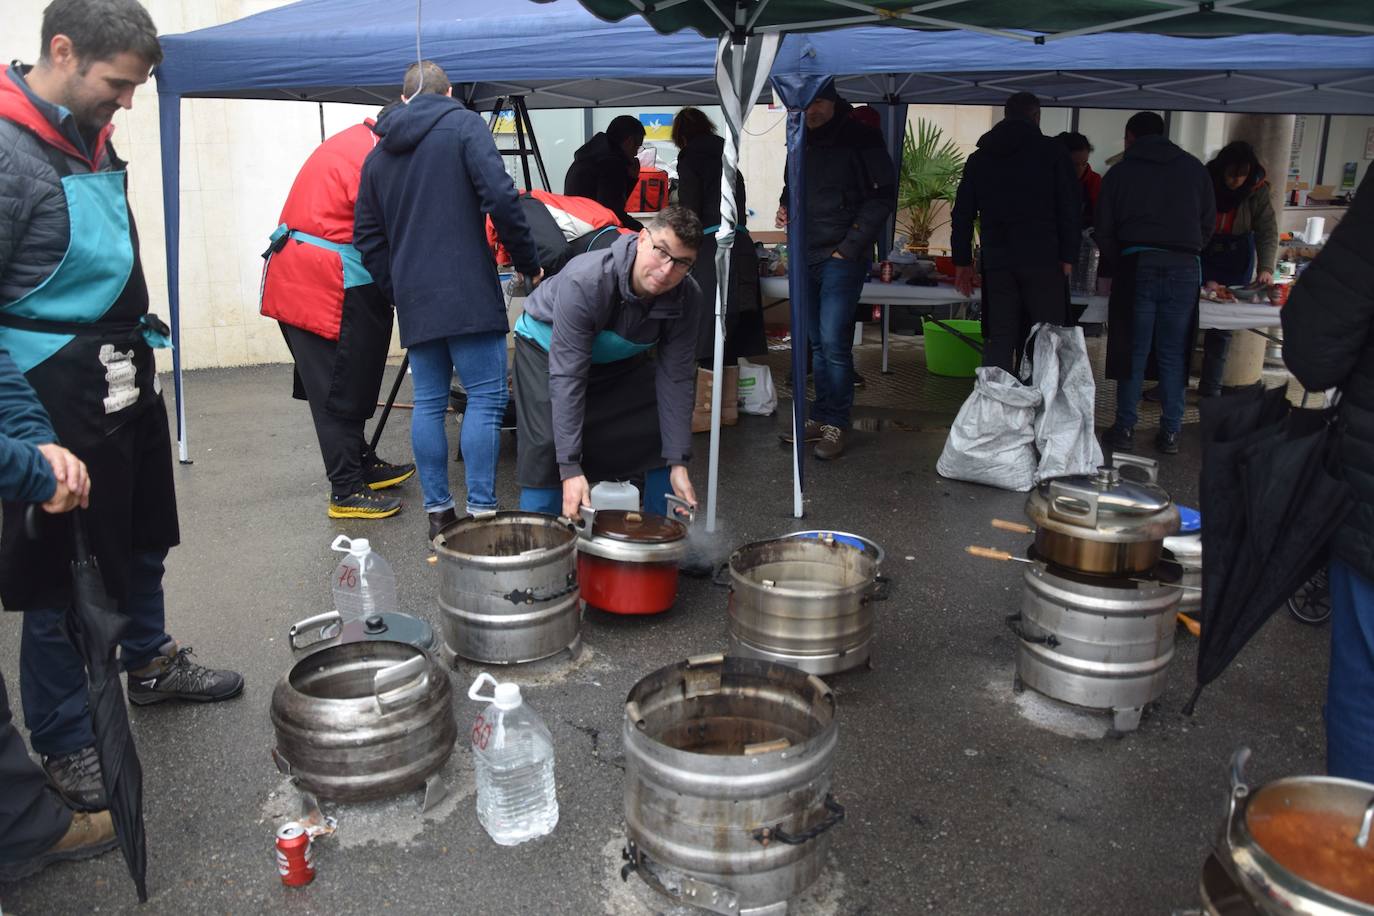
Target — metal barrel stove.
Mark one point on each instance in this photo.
(727, 782)
(508, 588)
(1102, 646)
(363, 720)
(805, 602)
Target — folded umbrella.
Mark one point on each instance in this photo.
(1271, 500)
(94, 626)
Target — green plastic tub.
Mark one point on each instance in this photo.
(949, 355)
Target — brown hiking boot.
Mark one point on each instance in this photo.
(810, 433)
(89, 834)
(831, 444)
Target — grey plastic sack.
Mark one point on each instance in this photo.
(1058, 367)
(992, 440)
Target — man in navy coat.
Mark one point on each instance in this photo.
(420, 229)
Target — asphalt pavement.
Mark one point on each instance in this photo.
(962, 796)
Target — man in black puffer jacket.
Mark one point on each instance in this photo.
(1328, 341)
(1021, 185)
(851, 190)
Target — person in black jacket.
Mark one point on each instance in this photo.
(1328, 341)
(851, 191)
(419, 228)
(606, 170)
(698, 189)
(1021, 186)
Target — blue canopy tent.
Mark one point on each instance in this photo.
(557, 55)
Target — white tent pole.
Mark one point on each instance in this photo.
(739, 89)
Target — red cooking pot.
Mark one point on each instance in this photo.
(627, 562)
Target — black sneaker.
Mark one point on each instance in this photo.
(174, 676)
(363, 504)
(859, 381)
(1119, 439)
(1166, 443)
(379, 474)
(76, 777)
(440, 520)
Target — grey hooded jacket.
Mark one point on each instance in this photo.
(593, 294)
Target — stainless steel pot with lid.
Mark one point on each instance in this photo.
(1108, 523)
(1301, 844)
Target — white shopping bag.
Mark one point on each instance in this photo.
(756, 392)
(992, 440)
(1056, 364)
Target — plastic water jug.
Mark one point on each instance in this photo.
(512, 754)
(363, 585)
(615, 494)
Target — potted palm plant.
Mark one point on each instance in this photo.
(931, 168)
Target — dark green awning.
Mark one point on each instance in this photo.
(1032, 20)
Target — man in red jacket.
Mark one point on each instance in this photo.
(336, 321)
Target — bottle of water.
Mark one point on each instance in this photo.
(363, 585)
(512, 754)
(615, 494)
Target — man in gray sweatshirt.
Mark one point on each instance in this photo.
(1155, 213)
(591, 402)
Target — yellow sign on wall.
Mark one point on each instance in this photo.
(657, 126)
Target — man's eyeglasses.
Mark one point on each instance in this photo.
(666, 256)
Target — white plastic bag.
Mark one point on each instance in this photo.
(992, 440)
(1057, 366)
(756, 392)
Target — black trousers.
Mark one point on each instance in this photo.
(32, 816)
(340, 437)
(1013, 301)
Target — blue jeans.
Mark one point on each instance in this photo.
(549, 500)
(1165, 298)
(835, 287)
(1350, 685)
(481, 363)
(52, 676)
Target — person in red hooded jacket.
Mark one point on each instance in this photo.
(336, 321)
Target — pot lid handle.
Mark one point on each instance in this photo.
(1239, 790)
(301, 627)
(677, 502)
(1362, 838)
(1149, 465)
(1073, 505)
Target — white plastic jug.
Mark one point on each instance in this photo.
(615, 494)
(512, 754)
(363, 585)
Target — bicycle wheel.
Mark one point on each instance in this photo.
(1312, 604)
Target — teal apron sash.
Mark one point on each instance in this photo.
(354, 273)
(607, 346)
(91, 276)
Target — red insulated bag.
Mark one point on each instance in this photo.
(650, 193)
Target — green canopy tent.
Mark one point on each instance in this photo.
(747, 26)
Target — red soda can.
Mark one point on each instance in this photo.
(885, 271)
(295, 859)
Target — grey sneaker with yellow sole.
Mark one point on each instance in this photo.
(365, 503)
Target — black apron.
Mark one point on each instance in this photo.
(100, 390)
(359, 355)
(620, 431)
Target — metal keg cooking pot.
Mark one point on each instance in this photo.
(1301, 844)
(1104, 523)
(508, 588)
(805, 602)
(728, 763)
(363, 720)
(627, 562)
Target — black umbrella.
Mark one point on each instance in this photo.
(1271, 501)
(94, 626)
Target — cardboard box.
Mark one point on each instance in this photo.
(729, 399)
